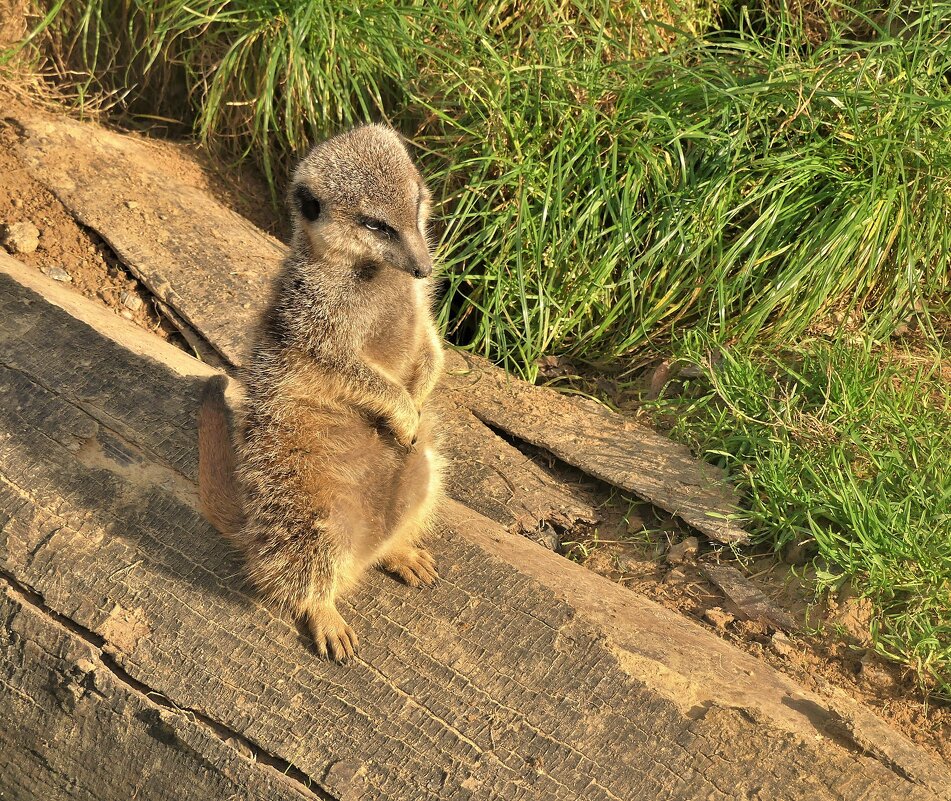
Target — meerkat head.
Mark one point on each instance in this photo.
(358, 202)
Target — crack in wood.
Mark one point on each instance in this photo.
(100, 417)
(284, 770)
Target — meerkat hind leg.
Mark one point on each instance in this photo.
(307, 575)
(332, 635)
(403, 554)
(416, 566)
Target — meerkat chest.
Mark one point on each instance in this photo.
(394, 341)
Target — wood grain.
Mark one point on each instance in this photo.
(75, 727)
(519, 676)
(599, 442)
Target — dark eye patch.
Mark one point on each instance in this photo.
(308, 204)
(379, 226)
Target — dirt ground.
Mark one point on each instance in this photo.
(633, 543)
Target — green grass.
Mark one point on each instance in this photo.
(844, 449)
(731, 188)
(600, 192)
(269, 77)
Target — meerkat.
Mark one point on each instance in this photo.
(335, 469)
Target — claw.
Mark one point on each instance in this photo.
(416, 567)
(332, 636)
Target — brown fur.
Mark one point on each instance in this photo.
(337, 468)
(217, 490)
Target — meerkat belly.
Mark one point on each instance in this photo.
(343, 475)
(417, 484)
(412, 486)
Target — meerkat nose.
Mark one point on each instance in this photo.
(423, 266)
(423, 269)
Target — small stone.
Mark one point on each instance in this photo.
(875, 674)
(718, 618)
(675, 576)
(130, 300)
(683, 550)
(781, 644)
(131, 204)
(20, 237)
(16, 202)
(125, 314)
(58, 274)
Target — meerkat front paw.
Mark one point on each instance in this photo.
(415, 566)
(406, 425)
(332, 635)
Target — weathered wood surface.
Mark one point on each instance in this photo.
(74, 727)
(519, 676)
(213, 268)
(192, 253)
(599, 442)
(487, 474)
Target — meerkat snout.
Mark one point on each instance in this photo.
(422, 265)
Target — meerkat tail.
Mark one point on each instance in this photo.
(217, 486)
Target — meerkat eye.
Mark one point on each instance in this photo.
(377, 225)
(308, 204)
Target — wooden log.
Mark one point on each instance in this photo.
(214, 268)
(599, 442)
(490, 476)
(519, 676)
(205, 261)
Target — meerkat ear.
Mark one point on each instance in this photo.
(308, 204)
